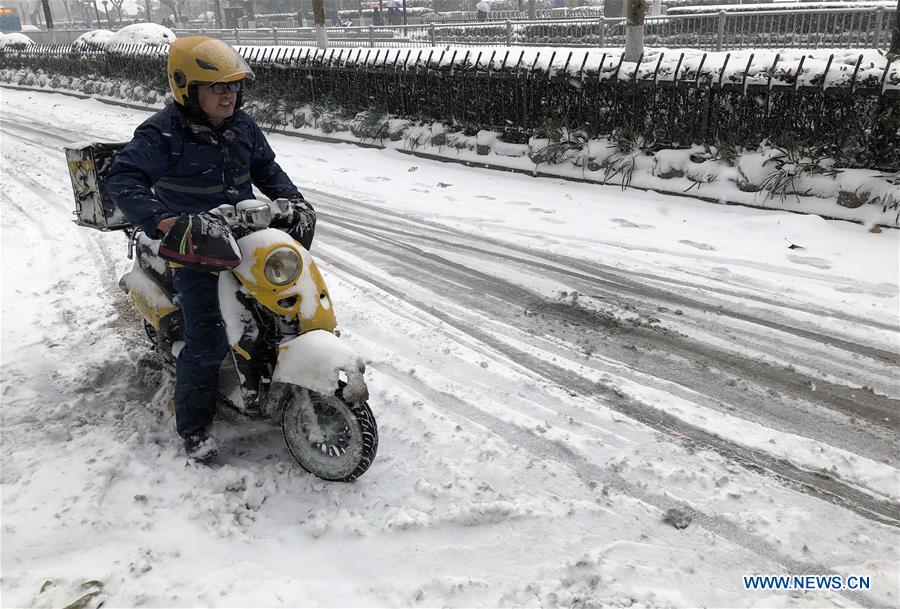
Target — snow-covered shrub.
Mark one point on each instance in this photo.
(788, 169)
(148, 34)
(554, 142)
(93, 40)
(371, 124)
(15, 40)
(271, 114)
(630, 154)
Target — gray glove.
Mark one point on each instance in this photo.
(300, 224)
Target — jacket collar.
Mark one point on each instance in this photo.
(199, 125)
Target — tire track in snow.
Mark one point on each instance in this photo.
(374, 217)
(843, 400)
(582, 322)
(820, 485)
(88, 236)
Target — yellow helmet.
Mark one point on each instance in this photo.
(201, 60)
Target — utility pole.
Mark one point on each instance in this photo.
(319, 18)
(634, 29)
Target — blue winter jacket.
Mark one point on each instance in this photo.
(175, 164)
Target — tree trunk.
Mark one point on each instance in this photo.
(531, 10)
(319, 18)
(634, 29)
(217, 6)
(47, 16)
(147, 4)
(895, 39)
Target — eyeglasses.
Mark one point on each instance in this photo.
(220, 87)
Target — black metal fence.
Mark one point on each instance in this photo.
(856, 121)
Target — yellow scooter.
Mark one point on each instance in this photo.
(287, 362)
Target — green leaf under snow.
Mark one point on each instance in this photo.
(82, 602)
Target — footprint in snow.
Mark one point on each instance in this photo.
(881, 290)
(377, 179)
(553, 220)
(344, 169)
(699, 246)
(541, 210)
(485, 197)
(521, 203)
(629, 224)
(819, 263)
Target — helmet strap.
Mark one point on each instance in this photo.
(192, 103)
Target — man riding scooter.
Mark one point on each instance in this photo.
(200, 152)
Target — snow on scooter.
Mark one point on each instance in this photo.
(287, 362)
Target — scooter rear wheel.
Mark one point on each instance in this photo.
(348, 441)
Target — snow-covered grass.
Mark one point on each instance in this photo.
(494, 485)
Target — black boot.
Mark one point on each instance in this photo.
(200, 448)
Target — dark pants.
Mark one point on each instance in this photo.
(205, 346)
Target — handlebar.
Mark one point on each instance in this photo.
(254, 214)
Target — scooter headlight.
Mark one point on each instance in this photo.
(283, 266)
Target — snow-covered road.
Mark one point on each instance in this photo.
(554, 365)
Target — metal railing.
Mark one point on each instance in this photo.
(851, 28)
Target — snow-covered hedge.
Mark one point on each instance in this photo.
(837, 104)
(151, 34)
(94, 39)
(15, 40)
(784, 177)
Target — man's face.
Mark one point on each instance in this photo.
(217, 106)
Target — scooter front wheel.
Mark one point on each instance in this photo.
(330, 437)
